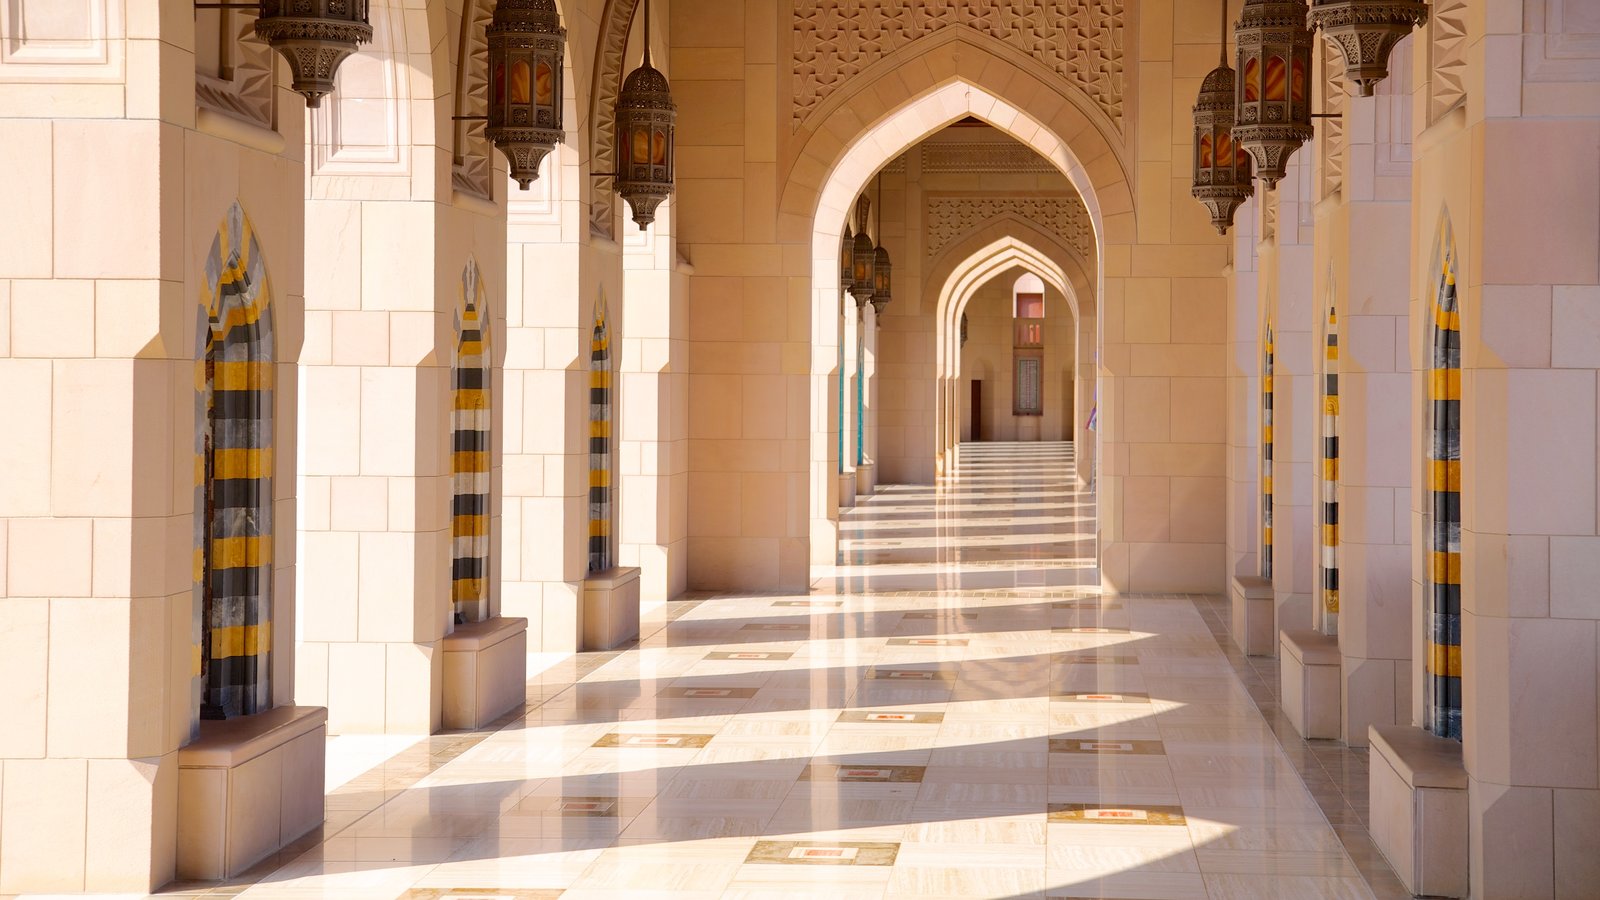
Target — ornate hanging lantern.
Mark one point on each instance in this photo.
(881, 282)
(1274, 98)
(646, 132)
(865, 258)
(526, 48)
(847, 259)
(314, 37)
(1221, 167)
(1366, 31)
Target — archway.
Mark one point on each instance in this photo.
(899, 128)
(957, 291)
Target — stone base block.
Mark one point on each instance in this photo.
(1254, 631)
(847, 490)
(247, 787)
(485, 671)
(1311, 673)
(610, 609)
(1418, 792)
(866, 479)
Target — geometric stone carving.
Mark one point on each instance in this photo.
(948, 218)
(1330, 129)
(1078, 40)
(615, 23)
(1447, 57)
(983, 156)
(242, 86)
(473, 169)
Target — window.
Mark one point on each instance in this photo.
(470, 456)
(233, 495)
(1441, 506)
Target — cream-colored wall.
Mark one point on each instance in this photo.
(1508, 145)
(388, 236)
(987, 355)
(114, 199)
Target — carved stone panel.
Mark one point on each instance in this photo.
(1447, 56)
(949, 218)
(240, 83)
(1079, 40)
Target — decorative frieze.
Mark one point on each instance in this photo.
(243, 83)
(472, 171)
(949, 218)
(1447, 57)
(1079, 40)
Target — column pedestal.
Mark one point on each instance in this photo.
(866, 479)
(1418, 791)
(247, 787)
(485, 671)
(610, 609)
(1309, 671)
(1253, 627)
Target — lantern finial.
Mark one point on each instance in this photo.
(1366, 32)
(314, 37)
(646, 128)
(527, 46)
(1221, 167)
(1273, 109)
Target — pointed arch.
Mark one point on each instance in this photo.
(233, 432)
(1441, 494)
(602, 474)
(471, 451)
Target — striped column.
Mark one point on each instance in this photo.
(1328, 619)
(1266, 455)
(1442, 505)
(233, 478)
(600, 467)
(470, 454)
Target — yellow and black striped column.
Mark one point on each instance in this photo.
(1266, 454)
(600, 456)
(470, 454)
(234, 383)
(1329, 621)
(1443, 505)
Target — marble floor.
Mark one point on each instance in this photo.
(953, 711)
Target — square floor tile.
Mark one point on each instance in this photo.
(1096, 814)
(706, 693)
(752, 655)
(654, 741)
(817, 853)
(864, 774)
(890, 717)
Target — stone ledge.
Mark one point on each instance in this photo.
(1418, 793)
(1310, 681)
(610, 608)
(1253, 621)
(485, 671)
(247, 787)
(476, 637)
(225, 743)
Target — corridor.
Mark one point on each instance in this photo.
(954, 711)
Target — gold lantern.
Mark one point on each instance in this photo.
(864, 258)
(314, 37)
(1221, 167)
(881, 281)
(646, 132)
(526, 46)
(847, 259)
(1366, 31)
(1273, 109)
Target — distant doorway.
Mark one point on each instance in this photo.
(977, 410)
